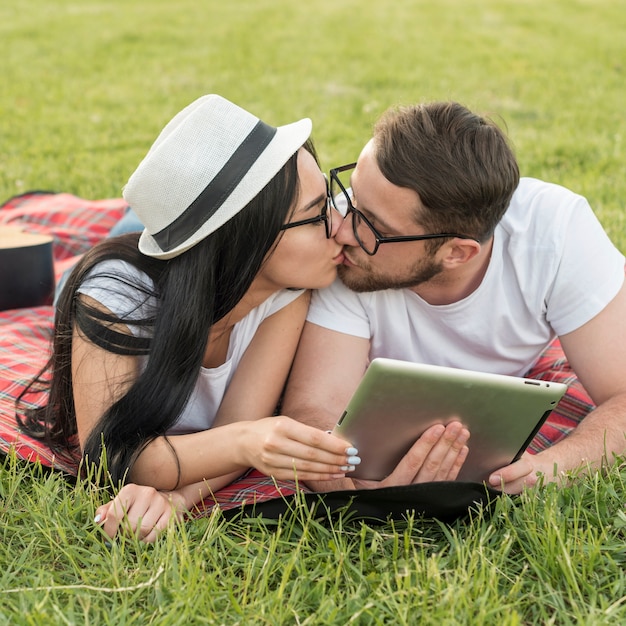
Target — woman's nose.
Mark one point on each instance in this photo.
(337, 221)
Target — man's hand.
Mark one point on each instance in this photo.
(437, 455)
(526, 472)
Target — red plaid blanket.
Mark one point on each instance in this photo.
(25, 334)
(76, 225)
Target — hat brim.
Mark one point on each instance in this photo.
(285, 143)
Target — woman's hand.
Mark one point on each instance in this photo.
(287, 449)
(139, 510)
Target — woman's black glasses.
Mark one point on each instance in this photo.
(325, 216)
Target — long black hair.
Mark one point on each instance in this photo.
(193, 291)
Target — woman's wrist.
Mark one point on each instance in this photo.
(239, 436)
(184, 498)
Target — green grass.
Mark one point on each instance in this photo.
(557, 557)
(87, 85)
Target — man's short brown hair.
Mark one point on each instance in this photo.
(460, 165)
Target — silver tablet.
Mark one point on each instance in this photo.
(397, 400)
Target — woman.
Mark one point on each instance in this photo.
(171, 349)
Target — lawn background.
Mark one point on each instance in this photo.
(86, 87)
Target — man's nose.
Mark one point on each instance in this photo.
(344, 233)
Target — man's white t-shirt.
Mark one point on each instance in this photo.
(106, 284)
(552, 269)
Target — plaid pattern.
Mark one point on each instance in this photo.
(75, 224)
(24, 347)
(573, 407)
(25, 334)
(252, 488)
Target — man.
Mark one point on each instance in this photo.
(451, 259)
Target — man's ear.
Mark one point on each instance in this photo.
(457, 252)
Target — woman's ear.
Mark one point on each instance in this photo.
(457, 252)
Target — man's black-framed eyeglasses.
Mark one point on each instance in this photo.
(325, 216)
(364, 232)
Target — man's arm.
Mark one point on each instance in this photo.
(327, 369)
(597, 353)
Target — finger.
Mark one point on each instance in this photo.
(112, 521)
(286, 454)
(154, 521)
(117, 507)
(307, 475)
(442, 453)
(101, 513)
(448, 454)
(124, 500)
(516, 486)
(146, 512)
(457, 464)
(514, 478)
(306, 459)
(311, 460)
(510, 473)
(125, 510)
(101, 517)
(145, 524)
(411, 463)
(423, 461)
(159, 526)
(311, 437)
(456, 460)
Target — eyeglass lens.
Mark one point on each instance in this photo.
(343, 201)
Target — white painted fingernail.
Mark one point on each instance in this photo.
(352, 451)
(97, 519)
(353, 460)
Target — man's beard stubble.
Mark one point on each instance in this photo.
(363, 278)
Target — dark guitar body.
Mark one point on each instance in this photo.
(26, 272)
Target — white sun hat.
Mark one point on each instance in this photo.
(207, 164)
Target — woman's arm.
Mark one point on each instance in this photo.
(243, 436)
(259, 381)
(99, 377)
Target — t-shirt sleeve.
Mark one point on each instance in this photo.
(122, 289)
(340, 309)
(281, 299)
(589, 275)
